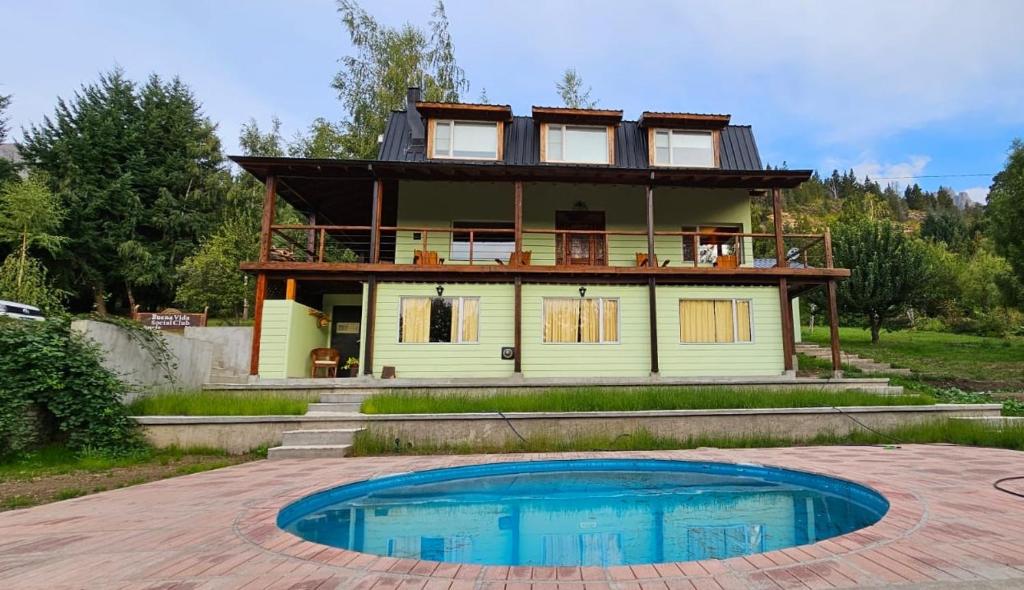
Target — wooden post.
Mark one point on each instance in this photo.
(375, 215)
(517, 337)
(257, 323)
(268, 218)
(833, 327)
(653, 304)
(787, 324)
(829, 260)
(780, 246)
(650, 231)
(311, 238)
(695, 241)
(323, 244)
(518, 220)
(290, 287)
(371, 320)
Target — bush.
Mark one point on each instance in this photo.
(48, 369)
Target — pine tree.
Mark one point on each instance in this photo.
(570, 88)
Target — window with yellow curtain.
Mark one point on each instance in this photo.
(714, 321)
(439, 319)
(581, 320)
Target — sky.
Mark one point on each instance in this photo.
(913, 88)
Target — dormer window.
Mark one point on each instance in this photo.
(577, 144)
(465, 140)
(684, 148)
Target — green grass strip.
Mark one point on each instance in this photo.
(961, 432)
(214, 403)
(591, 399)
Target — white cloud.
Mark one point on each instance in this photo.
(898, 172)
(978, 194)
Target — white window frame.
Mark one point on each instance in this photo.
(461, 299)
(452, 123)
(735, 325)
(600, 318)
(671, 133)
(562, 127)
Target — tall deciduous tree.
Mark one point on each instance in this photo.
(30, 217)
(7, 169)
(136, 168)
(887, 270)
(573, 94)
(387, 60)
(1005, 211)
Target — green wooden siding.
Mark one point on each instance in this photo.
(287, 336)
(437, 204)
(442, 360)
(761, 357)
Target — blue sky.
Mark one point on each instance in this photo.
(909, 88)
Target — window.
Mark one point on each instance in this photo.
(714, 321)
(715, 241)
(581, 320)
(691, 149)
(439, 319)
(474, 140)
(486, 245)
(573, 143)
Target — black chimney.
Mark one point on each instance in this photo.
(417, 138)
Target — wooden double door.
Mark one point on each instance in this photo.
(579, 246)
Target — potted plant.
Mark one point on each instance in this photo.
(352, 365)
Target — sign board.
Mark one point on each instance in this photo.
(170, 319)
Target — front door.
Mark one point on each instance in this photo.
(345, 321)
(578, 247)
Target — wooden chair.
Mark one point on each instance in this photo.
(326, 359)
(425, 258)
(727, 261)
(521, 258)
(641, 260)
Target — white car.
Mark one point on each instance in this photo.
(21, 311)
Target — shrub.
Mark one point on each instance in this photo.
(48, 368)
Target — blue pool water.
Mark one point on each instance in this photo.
(584, 512)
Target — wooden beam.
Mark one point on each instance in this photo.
(518, 217)
(371, 321)
(780, 246)
(290, 288)
(786, 309)
(378, 200)
(310, 238)
(268, 217)
(650, 226)
(257, 323)
(653, 305)
(829, 258)
(833, 328)
(517, 337)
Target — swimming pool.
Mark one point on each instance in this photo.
(599, 512)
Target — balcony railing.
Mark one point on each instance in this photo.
(431, 246)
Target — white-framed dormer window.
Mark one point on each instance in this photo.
(464, 140)
(577, 144)
(687, 149)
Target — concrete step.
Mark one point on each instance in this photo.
(309, 452)
(355, 397)
(333, 408)
(226, 378)
(318, 437)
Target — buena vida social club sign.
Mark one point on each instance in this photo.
(170, 319)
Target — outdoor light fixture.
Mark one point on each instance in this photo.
(440, 291)
(583, 292)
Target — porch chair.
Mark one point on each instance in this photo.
(426, 258)
(727, 261)
(521, 258)
(641, 260)
(326, 359)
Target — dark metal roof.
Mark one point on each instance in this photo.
(737, 149)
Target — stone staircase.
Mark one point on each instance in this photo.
(322, 443)
(868, 366)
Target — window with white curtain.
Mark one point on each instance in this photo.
(588, 320)
(426, 320)
(688, 149)
(577, 144)
(467, 140)
(714, 321)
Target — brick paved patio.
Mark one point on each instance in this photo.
(947, 525)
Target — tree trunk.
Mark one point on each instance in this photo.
(131, 297)
(876, 327)
(24, 257)
(99, 300)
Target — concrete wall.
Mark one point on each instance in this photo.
(232, 347)
(437, 204)
(289, 333)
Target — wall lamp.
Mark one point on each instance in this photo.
(440, 290)
(583, 292)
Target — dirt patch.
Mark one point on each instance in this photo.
(974, 384)
(22, 493)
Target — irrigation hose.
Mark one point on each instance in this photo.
(866, 427)
(510, 425)
(1002, 489)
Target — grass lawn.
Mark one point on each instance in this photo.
(54, 473)
(586, 399)
(370, 443)
(211, 403)
(952, 360)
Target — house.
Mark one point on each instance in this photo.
(570, 243)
